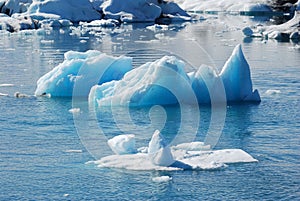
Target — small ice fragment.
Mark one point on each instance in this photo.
(272, 92)
(7, 85)
(247, 31)
(74, 110)
(73, 151)
(1, 94)
(161, 179)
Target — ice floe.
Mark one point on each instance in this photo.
(180, 157)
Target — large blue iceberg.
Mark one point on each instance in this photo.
(85, 69)
(108, 81)
(164, 82)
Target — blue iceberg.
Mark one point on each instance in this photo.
(85, 69)
(164, 82)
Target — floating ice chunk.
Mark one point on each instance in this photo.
(247, 31)
(159, 153)
(84, 68)
(74, 110)
(6, 85)
(74, 151)
(123, 144)
(162, 179)
(185, 160)
(101, 23)
(2, 94)
(237, 78)
(272, 92)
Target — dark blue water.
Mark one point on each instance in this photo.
(38, 134)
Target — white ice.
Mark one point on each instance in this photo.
(85, 69)
(224, 5)
(162, 179)
(179, 157)
(122, 144)
(158, 151)
(141, 10)
(74, 110)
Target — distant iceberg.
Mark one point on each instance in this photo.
(61, 13)
(165, 82)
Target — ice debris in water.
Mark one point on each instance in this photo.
(74, 110)
(162, 179)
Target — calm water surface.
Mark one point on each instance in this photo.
(37, 134)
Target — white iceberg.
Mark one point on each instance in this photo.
(164, 82)
(73, 10)
(85, 69)
(122, 144)
(142, 10)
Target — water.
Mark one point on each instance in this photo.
(38, 134)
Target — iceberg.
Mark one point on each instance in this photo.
(73, 10)
(142, 10)
(165, 82)
(85, 69)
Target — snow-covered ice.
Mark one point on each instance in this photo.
(122, 144)
(179, 157)
(85, 69)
